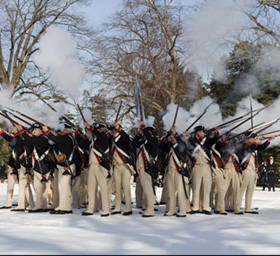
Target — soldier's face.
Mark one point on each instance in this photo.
(37, 132)
(201, 134)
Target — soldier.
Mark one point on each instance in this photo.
(123, 167)
(179, 168)
(232, 175)
(249, 166)
(84, 145)
(201, 176)
(67, 160)
(146, 165)
(219, 178)
(163, 159)
(271, 173)
(99, 170)
(38, 144)
(80, 146)
(12, 179)
(20, 162)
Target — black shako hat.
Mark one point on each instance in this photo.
(66, 125)
(98, 125)
(199, 128)
(34, 126)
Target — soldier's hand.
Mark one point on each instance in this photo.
(15, 129)
(19, 127)
(45, 128)
(141, 124)
(173, 130)
(86, 124)
(186, 133)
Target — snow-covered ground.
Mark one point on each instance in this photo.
(43, 233)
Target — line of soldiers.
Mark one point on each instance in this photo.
(199, 171)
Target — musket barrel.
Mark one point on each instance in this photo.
(118, 113)
(196, 120)
(175, 117)
(81, 113)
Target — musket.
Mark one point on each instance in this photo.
(268, 133)
(13, 122)
(195, 121)
(19, 118)
(239, 118)
(257, 126)
(31, 118)
(118, 113)
(267, 137)
(268, 125)
(251, 109)
(138, 100)
(219, 127)
(236, 126)
(68, 121)
(81, 113)
(175, 117)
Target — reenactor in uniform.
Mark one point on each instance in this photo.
(179, 168)
(38, 145)
(163, 159)
(12, 179)
(99, 170)
(219, 176)
(84, 145)
(146, 166)
(201, 177)
(232, 172)
(249, 166)
(123, 167)
(67, 160)
(80, 145)
(19, 162)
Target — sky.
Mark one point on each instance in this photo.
(100, 10)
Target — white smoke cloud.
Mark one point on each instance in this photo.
(149, 121)
(212, 32)
(37, 111)
(265, 116)
(186, 118)
(57, 56)
(88, 116)
(181, 120)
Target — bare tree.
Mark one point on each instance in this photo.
(265, 18)
(142, 42)
(22, 24)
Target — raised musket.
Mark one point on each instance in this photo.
(236, 126)
(251, 110)
(239, 118)
(13, 122)
(266, 133)
(118, 113)
(257, 126)
(68, 121)
(140, 114)
(267, 137)
(81, 113)
(196, 120)
(175, 116)
(31, 118)
(268, 125)
(16, 116)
